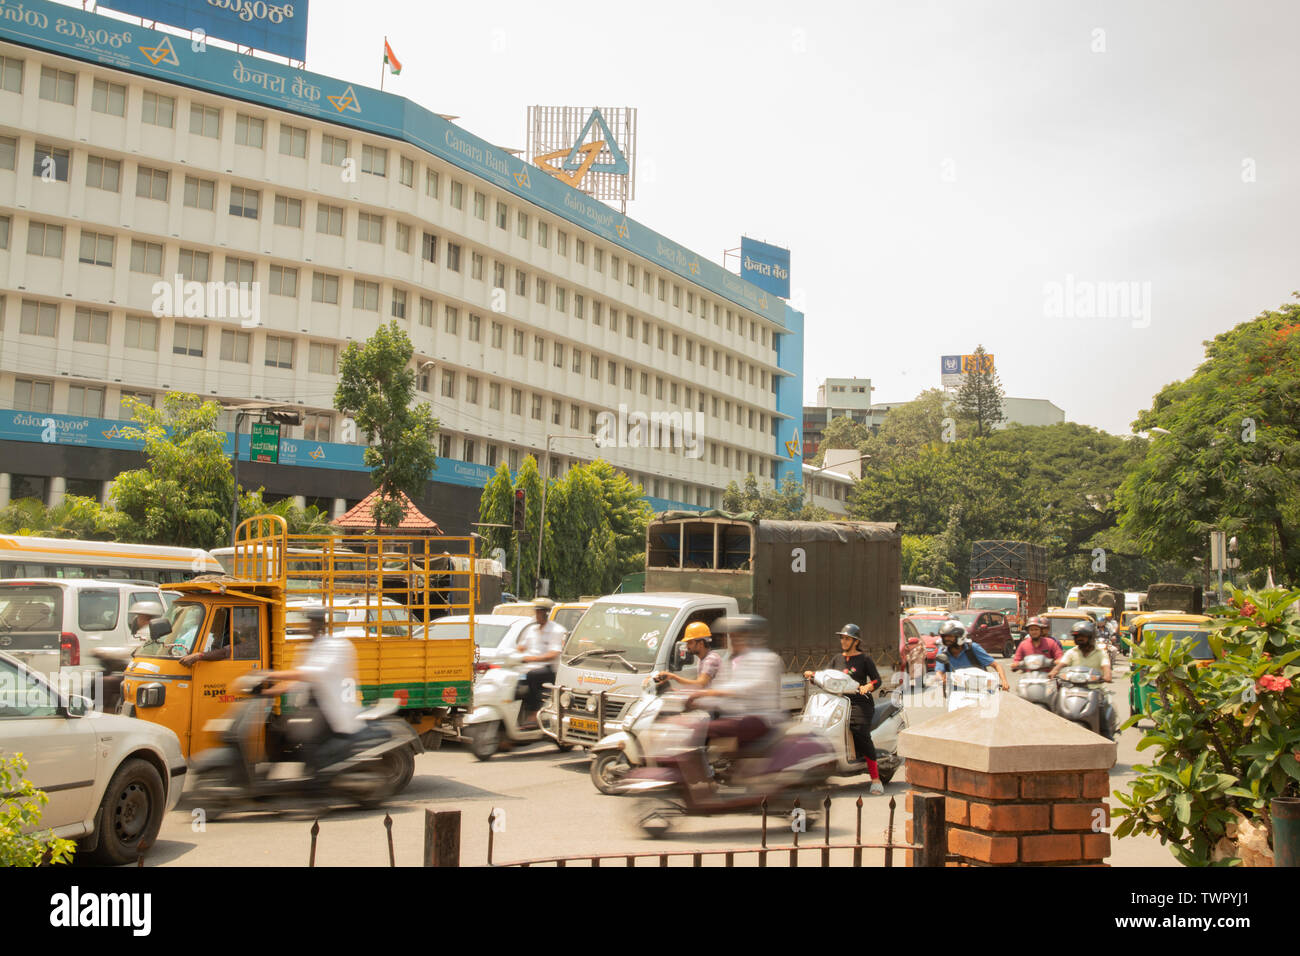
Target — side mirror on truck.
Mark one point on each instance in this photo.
(159, 628)
(681, 656)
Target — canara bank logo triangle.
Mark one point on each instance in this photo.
(347, 100)
(580, 158)
(792, 446)
(162, 53)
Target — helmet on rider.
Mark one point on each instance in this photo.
(952, 634)
(852, 632)
(749, 628)
(1039, 622)
(1084, 634)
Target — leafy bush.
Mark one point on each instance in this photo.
(1227, 732)
(21, 810)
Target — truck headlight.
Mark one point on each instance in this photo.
(565, 699)
(591, 704)
(150, 695)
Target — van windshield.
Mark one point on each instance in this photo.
(613, 636)
(993, 602)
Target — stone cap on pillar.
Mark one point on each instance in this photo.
(1006, 735)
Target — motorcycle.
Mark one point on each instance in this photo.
(498, 699)
(1035, 686)
(616, 754)
(827, 711)
(1080, 700)
(783, 764)
(367, 767)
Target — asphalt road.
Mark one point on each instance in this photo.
(550, 808)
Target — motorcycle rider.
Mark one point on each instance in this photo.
(855, 662)
(963, 653)
(1039, 641)
(697, 639)
(1085, 653)
(330, 668)
(541, 643)
(750, 693)
(142, 614)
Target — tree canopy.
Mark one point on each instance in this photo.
(980, 398)
(786, 504)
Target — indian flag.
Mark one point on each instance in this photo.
(394, 64)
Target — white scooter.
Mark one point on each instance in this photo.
(827, 710)
(614, 755)
(498, 699)
(1035, 686)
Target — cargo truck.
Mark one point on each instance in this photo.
(1008, 576)
(807, 578)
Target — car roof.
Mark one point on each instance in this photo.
(97, 583)
(1172, 617)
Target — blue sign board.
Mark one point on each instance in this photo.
(951, 365)
(69, 31)
(768, 267)
(279, 28)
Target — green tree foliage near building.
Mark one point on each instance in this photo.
(909, 428)
(183, 495)
(377, 388)
(496, 506)
(75, 517)
(979, 401)
(786, 504)
(841, 432)
(927, 561)
(1231, 458)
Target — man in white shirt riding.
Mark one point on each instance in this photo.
(541, 643)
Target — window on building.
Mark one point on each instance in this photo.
(293, 141)
(540, 286)
(557, 355)
(370, 228)
(561, 242)
(33, 396)
(537, 407)
(51, 162)
(158, 109)
(518, 342)
(151, 183)
(429, 247)
(374, 160)
(475, 265)
(8, 152)
(288, 212)
(39, 318)
(480, 205)
(102, 173)
(365, 295)
(86, 400)
(406, 172)
(329, 219)
(205, 121)
(11, 74)
(284, 281)
(142, 332)
(503, 215)
(110, 98)
(475, 328)
(448, 383)
(96, 248)
(239, 270)
(244, 202)
(613, 373)
(403, 237)
(521, 282)
(44, 239)
(561, 298)
(194, 266)
(200, 193)
(521, 220)
(234, 346)
(579, 308)
(325, 288)
(58, 86)
(516, 402)
(451, 320)
(333, 150)
(457, 195)
(471, 389)
(543, 234)
(539, 349)
(557, 411)
(444, 446)
(431, 183)
(467, 452)
(188, 339)
(317, 426)
(249, 131)
(146, 257)
(279, 351)
(322, 358)
(453, 257)
(498, 275)
(494, 396)
(426, 312)
(498, 332)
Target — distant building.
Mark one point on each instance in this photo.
(836, 397)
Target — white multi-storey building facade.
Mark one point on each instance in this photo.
(120, 191)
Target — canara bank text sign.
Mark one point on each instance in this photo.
(274, 27)
(767, 267)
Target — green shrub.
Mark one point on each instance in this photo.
(20, 811)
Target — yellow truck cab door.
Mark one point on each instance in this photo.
(239, 629)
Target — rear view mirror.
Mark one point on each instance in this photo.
(159, 628)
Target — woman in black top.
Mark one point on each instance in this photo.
(853, 661)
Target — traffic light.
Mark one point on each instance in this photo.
(285, 418)
(520, 510)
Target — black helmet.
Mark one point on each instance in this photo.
(951, 629)
(1084, 629)
(851, 630)
(750, 627)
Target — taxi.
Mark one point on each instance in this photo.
(1195, 628)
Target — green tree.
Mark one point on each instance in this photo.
(74, 517)
(767, 502)
(1231, 458)
(980, 398)
(496, 506)
(908, 428)
(183, 495)
(377, 387)
(21, 811)
(925, 561)
(530, 480)
(841, 432)
(308, 520)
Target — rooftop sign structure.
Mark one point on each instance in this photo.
(279, 28)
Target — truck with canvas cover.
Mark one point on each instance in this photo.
(379, 591)
(1183, 598)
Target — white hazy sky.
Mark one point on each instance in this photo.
(930, 165)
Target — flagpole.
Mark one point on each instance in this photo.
(383, 63)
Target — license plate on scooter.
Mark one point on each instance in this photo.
(584, 725)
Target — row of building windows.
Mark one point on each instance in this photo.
(160, 109)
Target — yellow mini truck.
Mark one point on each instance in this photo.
(381, 592)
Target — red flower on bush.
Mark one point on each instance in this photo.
(1273, 682)
(1249, 610)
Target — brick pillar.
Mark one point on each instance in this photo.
(1023, 787)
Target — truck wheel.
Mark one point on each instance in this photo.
(484, 739)
(131, 812)
(608, 769)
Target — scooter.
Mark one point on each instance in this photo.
(498, 699)
(782, 765)
(367, 767)
(827, 711)
(1081, 700)
(614, 755)
(1035, 686)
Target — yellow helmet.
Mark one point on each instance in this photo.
(698, 631)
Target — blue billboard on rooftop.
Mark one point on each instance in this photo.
(279, 28)
(767, 267)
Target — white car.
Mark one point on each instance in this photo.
(109, 779)
(495, 635)
(68, 625)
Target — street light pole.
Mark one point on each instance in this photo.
(546, 476)
(234, 508)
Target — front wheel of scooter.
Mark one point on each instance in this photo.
(608, 770)
(484, 739)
